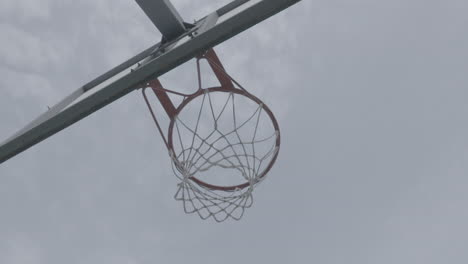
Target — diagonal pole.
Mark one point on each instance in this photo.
(154, 68)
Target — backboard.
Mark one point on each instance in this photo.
(181, 42)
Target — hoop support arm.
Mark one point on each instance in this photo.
(163, 98)
(218, 69)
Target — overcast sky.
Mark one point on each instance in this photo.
(371, 97)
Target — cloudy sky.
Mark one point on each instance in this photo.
(371, 97)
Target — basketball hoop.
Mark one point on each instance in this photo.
(219, 128)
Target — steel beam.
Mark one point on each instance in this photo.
(57, 108)
(164, 16)
(227, 8)
(152, 69)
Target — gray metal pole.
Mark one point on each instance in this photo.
(164, 16)
(153, 69)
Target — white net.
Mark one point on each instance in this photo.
(223, 144)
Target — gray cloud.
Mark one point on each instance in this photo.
(371, 98)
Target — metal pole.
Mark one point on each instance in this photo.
(153, 69)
